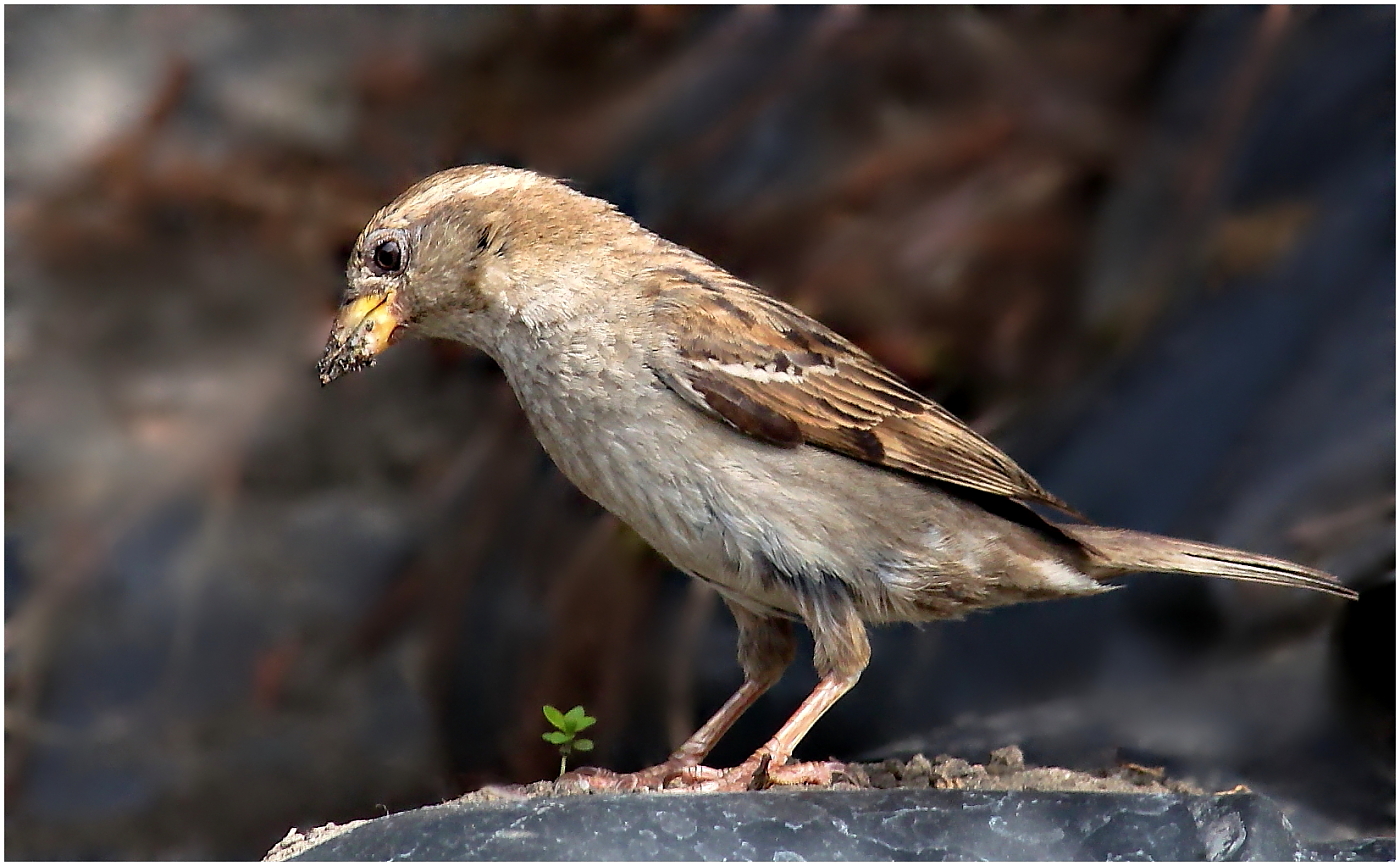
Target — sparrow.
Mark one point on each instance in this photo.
(757, 450)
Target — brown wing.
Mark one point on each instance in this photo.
(775, 374)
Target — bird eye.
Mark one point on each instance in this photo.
(387, 257)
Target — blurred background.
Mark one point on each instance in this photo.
(1150, 251)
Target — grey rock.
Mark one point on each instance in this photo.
(836, 825)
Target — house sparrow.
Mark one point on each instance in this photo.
(754, 448)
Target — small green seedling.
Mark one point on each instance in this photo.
(565, 733)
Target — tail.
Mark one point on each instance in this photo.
(1122, 551)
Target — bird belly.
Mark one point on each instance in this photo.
(690, 490)
(776, 529)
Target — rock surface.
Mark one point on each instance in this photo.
(914, 809)
(835, 825)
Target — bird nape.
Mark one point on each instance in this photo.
(753, 447)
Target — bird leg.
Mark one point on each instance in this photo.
(769, 766)
(686, 756)
(765, 647)
(765, 651)
(842, 652)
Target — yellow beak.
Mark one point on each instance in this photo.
(363, 328)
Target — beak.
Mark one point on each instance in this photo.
(364, 327)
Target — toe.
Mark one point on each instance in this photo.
(808, 773)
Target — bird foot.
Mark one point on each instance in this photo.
(601, 781)
(756, 774)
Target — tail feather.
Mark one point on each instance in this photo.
(1122, 551)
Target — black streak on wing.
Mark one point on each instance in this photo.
(746, 414)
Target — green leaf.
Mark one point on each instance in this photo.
(558, 738)
(578, 719)
(555, 717)
(583, 745)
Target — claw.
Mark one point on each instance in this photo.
(758, 773)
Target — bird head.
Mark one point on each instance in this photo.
(466, 252)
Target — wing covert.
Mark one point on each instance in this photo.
(771, 372)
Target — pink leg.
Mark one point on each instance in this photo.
(769, 765)
(765, 650)
(842, 652)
